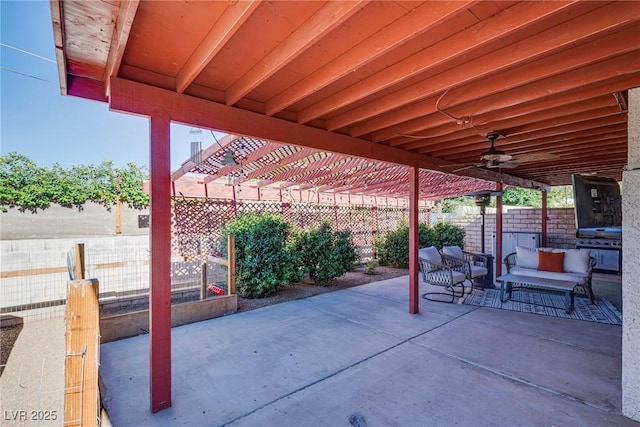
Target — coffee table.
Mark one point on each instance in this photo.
(537, 283)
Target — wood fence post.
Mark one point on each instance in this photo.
(79, 266)
(231, 271)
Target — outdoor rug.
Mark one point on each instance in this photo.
(548, 305)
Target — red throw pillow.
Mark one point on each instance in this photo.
(551, 261)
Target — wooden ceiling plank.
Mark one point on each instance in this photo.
(414, 23)
(119, 38)
(599, 88)
(58, 23)
(560, 144)
(227, 25)
(450, 137)
(524, 141)
(323, 22)
(628, 63)
(560, 63)
(550, 40)
(495, 28)
(616, 47)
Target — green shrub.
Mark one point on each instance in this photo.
(370, 267)
(263, 262)
(445, 234)
(393, 248)
(345, 251)
(325, 255)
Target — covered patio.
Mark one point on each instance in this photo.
(354, 357)
(422, 85)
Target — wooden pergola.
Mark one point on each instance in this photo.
(412, 83)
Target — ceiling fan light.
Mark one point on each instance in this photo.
(228, 159)
(496, 156)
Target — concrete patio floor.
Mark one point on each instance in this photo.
(357, 357)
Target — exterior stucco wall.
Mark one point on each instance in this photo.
(631, 266)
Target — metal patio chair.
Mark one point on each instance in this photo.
(440, 271)
(475, 265)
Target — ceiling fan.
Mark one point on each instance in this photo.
(495, 158)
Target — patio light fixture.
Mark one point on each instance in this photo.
(229, 159)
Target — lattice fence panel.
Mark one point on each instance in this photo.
(389, 218)
(306, 215)
(197, 224)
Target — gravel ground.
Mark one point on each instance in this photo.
(32, 382)
(308, 289)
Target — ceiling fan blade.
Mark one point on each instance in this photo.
(534, 157)
(463, 168)
(509, 165)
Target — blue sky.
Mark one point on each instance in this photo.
(37, 121)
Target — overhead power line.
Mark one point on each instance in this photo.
(26, 75)
(27, 52)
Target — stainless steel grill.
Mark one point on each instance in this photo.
(605, 245)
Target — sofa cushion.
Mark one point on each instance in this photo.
(580, 278)
(453, 251)
(430, 254)
(442, 277)
(576, 260)
(526, 257)
(477, 271)
(551, 261)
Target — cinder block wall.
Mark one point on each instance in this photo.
(561, 226)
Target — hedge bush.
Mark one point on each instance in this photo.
(393, 248)
(325, 255)
(264, 263)
(445, 234)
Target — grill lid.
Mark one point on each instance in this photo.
(614, 233)
(597, 202)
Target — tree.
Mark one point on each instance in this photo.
(25, 185)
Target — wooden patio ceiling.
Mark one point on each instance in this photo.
(407, 82)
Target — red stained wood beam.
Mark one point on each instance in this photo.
(414, 23)
(537, 140)
(543, 220)
(628, 63)
(126, 14)
(57, 19)
(600, 106)
(499, 254)
(137, 98)
(489, 30)
(83, 87)
(324, 21)
(583, 27)
(414, 284)
(231, 20)
(160, 264)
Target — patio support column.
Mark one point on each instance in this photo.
(414, 283)
(543, 220)
(499, 230)
(160, 263)
(631, 265)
